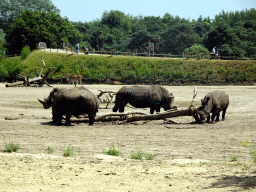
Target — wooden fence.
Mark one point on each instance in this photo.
(151, 54)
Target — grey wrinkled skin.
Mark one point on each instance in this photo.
(74, 101)
(154, 97)
(214, 103)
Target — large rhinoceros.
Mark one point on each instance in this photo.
(75, 101)
(154, 97)
(214, 103)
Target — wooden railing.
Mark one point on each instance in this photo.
(150, 54)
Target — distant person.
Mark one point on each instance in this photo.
(77, 47)
(4, 53)
(86, 50)
(217, 53)
(214, 52)
(214, 49)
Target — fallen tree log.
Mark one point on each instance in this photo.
(40, 80)
(158, 116)
(190, 111)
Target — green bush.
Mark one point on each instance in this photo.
(49, 150)
(252, 150)
(11, 68)
(25, 52)
(69, 151)
(113, 151)
(196, 49)
(11, 147)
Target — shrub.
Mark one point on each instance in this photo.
(196, 49)
(233, 158)
(251, 149)
(11, 68)
(49, 150)
(25, 52)
(137, 154)
(69, 152)
(11, 147)
(3, 71)
(113, 151)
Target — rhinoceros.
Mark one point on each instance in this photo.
(154, 97)
(75, 101)
(214, 103)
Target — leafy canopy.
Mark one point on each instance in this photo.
(34, 27)
(11, 9)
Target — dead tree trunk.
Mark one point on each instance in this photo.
(190, 111)
(186, 112)
(41, 79)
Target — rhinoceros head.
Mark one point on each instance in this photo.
(169, 103)
(47, 103)
(205, 109)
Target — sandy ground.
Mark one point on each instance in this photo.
(188, 156)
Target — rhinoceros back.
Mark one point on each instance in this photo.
(139, 96)
(220, 99)
(75, 102)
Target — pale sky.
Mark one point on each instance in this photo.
(89, 10)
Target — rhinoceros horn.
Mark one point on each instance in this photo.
(43, 102)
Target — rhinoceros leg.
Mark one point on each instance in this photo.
(152, 110)
(158, 109)
(223, 114)
(115, 108)
(91, 118)
(121, 109)
(68, 116)
(56, 117)
(213, 116)
(208, 119)
(218, 116)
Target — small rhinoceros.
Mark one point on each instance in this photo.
(214, 103)
(154, 97)
(74, 101)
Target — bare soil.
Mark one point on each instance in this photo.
(188, 156)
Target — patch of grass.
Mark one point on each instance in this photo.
(49, 150)
(252, 150)
(69, 151)
(129, 69)
(137, 154)
(11, 147)
(113, 151)
(149, 156)
(233, 158)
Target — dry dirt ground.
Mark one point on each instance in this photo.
(188, 156)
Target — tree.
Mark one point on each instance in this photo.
(2, 41)
(11, 9)
(197, 49)
(178, 37)
(234, 33)
(34, 26)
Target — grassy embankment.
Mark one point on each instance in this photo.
(131, 70)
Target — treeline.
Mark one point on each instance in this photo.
(27, 22)
(233, 33)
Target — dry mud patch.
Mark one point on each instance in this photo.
(189, 157)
